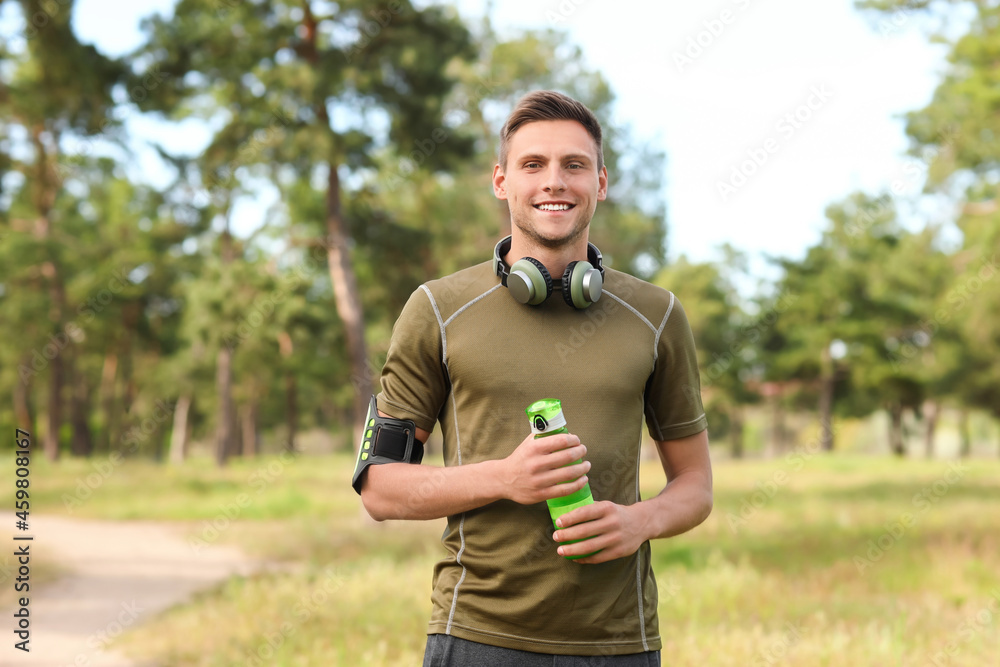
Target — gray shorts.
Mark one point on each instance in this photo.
(450, 651)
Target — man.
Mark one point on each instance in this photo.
(473, 350)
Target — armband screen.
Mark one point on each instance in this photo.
(385, 440)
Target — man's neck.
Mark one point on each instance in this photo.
(554, 259)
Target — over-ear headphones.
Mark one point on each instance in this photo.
(529, 281)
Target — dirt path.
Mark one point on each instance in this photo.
(117, 574)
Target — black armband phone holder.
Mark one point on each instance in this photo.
(386, 440)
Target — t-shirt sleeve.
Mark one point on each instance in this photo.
(673, 392)
(414, 382)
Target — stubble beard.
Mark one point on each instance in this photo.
(532, 234)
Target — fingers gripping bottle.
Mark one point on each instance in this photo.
(547, 419)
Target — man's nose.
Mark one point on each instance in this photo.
(554, 179)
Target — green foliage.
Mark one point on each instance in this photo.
(958, 134)
(387, 117)
(727, 336)
(64, 84)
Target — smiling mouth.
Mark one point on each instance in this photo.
(554, 207)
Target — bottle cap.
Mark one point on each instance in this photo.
(546, 415)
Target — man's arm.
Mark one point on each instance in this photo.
(619, 530)
(532, 473)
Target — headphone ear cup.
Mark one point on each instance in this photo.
(529, 281)
(567, 286)
(581, 284)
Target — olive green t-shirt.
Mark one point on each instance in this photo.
(464, 353)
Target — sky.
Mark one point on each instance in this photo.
(768, 110)
(714, 82)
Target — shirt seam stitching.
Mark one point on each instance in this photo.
(638, 568)
(656, 340)
(458, 559)
(701, 416)
(634, 311)
(458, 442)
(437, 314)
(470, 303)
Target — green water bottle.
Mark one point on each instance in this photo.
(547, 419)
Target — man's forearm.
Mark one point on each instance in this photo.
(683, 504)
(407, 491)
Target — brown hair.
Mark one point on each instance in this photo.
(549, 105)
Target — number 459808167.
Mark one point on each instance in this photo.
(23, 441)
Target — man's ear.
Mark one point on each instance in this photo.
(602, 184)
(499, 182)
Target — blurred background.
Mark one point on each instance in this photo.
(212, 211)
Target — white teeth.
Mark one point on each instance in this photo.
(553, 207)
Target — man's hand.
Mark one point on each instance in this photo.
(619, 530)
(536, 470)
(615, 530)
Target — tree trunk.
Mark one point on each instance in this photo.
(159, 436)
(57, 367)
(963, 432)
(44, 191)
(346, 295)
(291, 392)
(22, 402)
(124, 397)
(345, 287)
(130, 322)
(736, 432)
(777, 424)
(82, 443)
(108, 375)
(51, 443)
(291, 411)
(329, 415)
(827, 380)
(931, 413)
(896, 429)
(225, 441)
(178, 436)
(248, 419)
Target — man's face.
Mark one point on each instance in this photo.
(551, 183)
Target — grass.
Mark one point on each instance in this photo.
(851, 561)
(266, 488)
(821, 560)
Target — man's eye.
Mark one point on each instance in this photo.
(532, 165)
(575, 165)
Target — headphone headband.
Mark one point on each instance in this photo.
(501, 269)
